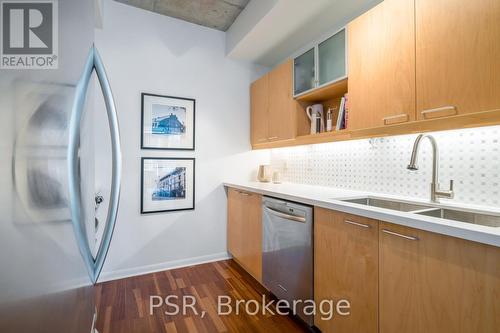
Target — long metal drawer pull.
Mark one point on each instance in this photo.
(449, 110)
(94, 266)
(399, 235)
(400, 118)
(357, 224)
(272, 138)
(286, 216)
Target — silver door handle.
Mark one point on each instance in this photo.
(357, 224)
(399, 235)
(116, 164)
(286, 216)
(94, 266)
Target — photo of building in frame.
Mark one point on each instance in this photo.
(171, 186)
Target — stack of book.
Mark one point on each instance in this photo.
(343, 116)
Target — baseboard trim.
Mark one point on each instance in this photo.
(141, 270)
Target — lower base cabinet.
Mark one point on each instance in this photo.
(346, 268)
(244, 230)
(395, 278)
(431, 283)
(399, 279)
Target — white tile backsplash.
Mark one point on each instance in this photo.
(470, 157)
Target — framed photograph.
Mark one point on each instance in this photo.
(167, 122)
(167, 184)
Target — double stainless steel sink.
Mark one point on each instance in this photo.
(388, 204)
(430, 210)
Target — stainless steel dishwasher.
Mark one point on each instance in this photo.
(287, 260)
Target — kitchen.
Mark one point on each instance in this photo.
(215, 166)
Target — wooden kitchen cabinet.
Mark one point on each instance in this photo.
(457, 57)
(346, 267)
(259, 110)
(273, 109)
(431, 283)
(244, 230)
(381, 65)
(282, 106)
(413, 66)
(234, 223)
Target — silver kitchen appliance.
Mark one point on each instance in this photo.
(287, 259)
(49, 258)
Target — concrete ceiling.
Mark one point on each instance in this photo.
(268, 31)
(217, 14)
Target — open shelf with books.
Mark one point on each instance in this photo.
(332, 99)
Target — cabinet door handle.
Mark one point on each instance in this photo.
(399, 235)
(243, 193)
(397, 119)
(273, 138)
(357, 224)
(444, 111)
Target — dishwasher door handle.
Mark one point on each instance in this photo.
(285, 216)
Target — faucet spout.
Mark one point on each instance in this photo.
(413, 166)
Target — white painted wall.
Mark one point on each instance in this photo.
(147, 52)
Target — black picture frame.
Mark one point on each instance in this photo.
(143, 212)
(143, 146)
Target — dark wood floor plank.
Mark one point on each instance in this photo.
(123, 305)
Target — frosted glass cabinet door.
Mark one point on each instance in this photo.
(304, 73)
(332, 58)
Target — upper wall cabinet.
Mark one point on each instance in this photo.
(382, 66)
(273, 109)
(413, 65)
(259, 113)
(458, 57)
(304, 71)
(322, 64)
(331, 58)
(282, 106)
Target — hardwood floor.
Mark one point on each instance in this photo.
(124, 305)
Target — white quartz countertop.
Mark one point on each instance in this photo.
(328, 197)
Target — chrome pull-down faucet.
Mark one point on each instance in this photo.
(436, 192)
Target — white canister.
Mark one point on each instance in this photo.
(276, 177)
(264, 174)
